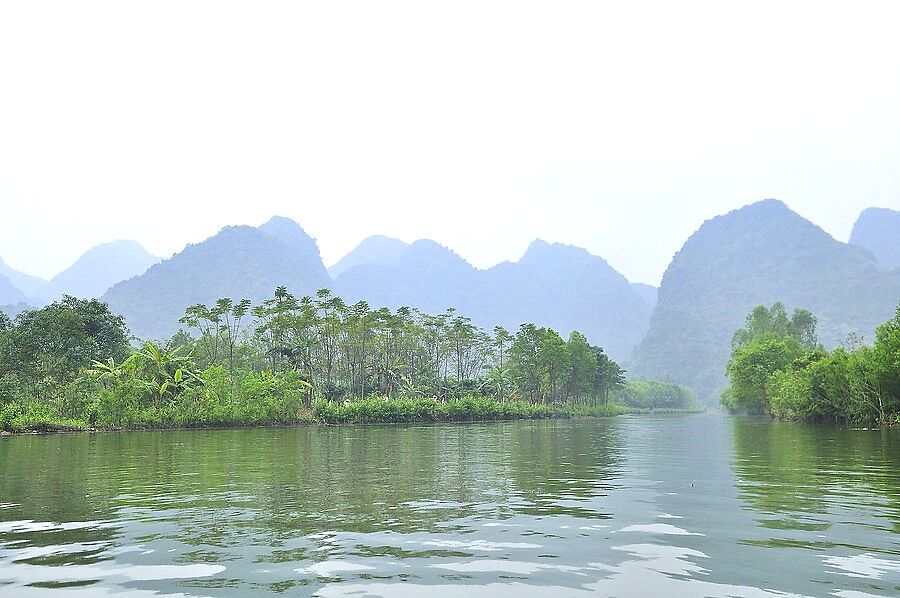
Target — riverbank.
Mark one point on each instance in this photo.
(27, 418)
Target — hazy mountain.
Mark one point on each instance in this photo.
(97, 270)
(878, 230)
(238, 262)
(647, 292)
(376, 249)
(566, 288)
(426, 275)
(26, 283)
(9, 294)
(761, 253)
(15, 309)
(552, 285)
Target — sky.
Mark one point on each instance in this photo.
(618, 127)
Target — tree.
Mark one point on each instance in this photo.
(553, 357)
(582, 369)
(751, 366)
(609, 376)
(57, 341)
(761, 321)
(524, 361)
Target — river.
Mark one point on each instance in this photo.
(694, 505)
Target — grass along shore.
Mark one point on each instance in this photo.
(36, 418)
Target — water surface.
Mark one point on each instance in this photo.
(665, 506)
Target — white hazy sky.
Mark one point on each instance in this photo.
(618, 127)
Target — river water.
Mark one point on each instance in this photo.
(694, 505)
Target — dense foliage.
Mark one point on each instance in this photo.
(777, 368)
(293, 360)
(654, 394)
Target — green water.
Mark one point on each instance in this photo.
(646, 506)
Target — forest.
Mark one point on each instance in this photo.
(779, 368)
(291, 360)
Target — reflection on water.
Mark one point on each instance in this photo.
(686, 505)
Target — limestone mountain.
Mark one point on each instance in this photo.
(759, 254)
(426, 275)
(9, 293)
(97, 270)
(553, 285)
(239, 262)
(647, 292)
(376, 249)
(27, 284)
(878, 230)
(567, 288)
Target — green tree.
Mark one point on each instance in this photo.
(751, 365)
(582, 370)
(59, 340)
(525, 363)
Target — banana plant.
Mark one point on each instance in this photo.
(165, 372)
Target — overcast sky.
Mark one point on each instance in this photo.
(619, 127)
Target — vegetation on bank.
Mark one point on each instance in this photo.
(777, 367)
(292, 361)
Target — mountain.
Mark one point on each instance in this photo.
(759, 254)
(552, 285)
(97, 270)
(26, 283)
(9, 294)
(878, 230)
(647, 292)
(376, 249)
(15, 309)
(425, 275)
(239, 262)
(567, 288)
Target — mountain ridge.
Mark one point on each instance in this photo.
(238, 262)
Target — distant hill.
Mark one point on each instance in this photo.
(878, 230)
(376, 249)
(97, 270)
(15, 309)
(238, 262)
(26, 283)
(426, 275)
(647, 292)
(761, 253)
(551, 285)
(567, 288)
(9, 293)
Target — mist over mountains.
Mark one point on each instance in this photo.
(90, 276)
(761, 253)
(554, 285)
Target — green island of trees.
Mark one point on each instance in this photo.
(71, 365)
(778, 368)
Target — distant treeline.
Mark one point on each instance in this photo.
(777, 367)
(293, 360)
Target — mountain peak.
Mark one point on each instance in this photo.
(541, 250)
(375, 249)
(292, 234)
(237, 262)
(27, 284)
(878, 230)
(98, 269)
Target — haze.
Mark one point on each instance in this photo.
(480, 125)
